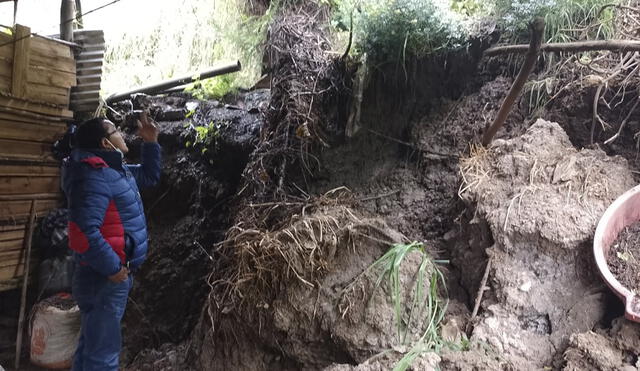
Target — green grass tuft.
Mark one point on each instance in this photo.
(565, 20)
(427, 309)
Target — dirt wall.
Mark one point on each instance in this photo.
(540, 199)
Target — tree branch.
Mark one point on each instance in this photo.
(572, 47)
(537, 30)
(624, 122)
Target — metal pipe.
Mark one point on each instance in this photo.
(177, 89)
(67, 15)
(162, 86)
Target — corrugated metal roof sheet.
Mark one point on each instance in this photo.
(85, 97)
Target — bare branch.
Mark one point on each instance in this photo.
(537, 30)
(624, 122)
(571, 47)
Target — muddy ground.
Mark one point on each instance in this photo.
(407, 170)
(187, 213)
(622, 259)
(531, 208)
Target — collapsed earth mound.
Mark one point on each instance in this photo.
(317, 290)
(535, 203)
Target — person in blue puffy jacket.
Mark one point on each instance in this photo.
(107, 231)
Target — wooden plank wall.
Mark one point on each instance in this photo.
(36, 75)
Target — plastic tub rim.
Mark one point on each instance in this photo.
(604, 225)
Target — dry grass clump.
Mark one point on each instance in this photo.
(277, 242)
(474, 168)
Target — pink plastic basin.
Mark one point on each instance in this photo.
(624, 211)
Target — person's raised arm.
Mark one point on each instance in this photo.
(147, 174)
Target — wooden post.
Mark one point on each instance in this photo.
(28, 235)
(20, 61)
(67, 15)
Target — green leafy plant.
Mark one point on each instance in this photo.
(213, 88)
(203, 137)
(462, 345)
(565, 20)
(391, 30)
(468, 7)
(189, 37)
(539, 91)
(427, 307)
(242, 37)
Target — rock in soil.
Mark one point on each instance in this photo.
(424, 362)
(612, 349)
(624, 257)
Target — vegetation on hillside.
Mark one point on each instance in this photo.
(194, 36)
(190, 37)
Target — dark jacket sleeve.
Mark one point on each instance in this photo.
(147, 174)
(89, 200)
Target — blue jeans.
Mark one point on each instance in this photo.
(102, 304)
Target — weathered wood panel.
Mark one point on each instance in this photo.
(14, 271)
(62, 64)
(18, 210)
(6, 65)
(11, 227)
(15, 281)
(35, 80)
(50, 48)
(14, 185)
(5, 84)
(11, 245)
(16, 257)
(29, 117)
(48, 93)
(30, 132)
(36, 69)
(20, 104)
(33, 170)
(7, 50)
(20, 149)
(10, 235)
(45, 76)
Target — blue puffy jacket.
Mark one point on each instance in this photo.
(107, 226)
